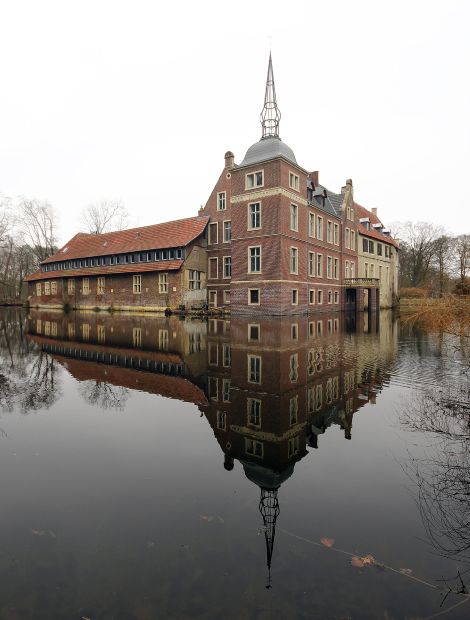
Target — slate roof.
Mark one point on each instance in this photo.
(372, 233)
(166, 265)
(268, 148)
(177, 233)
(333, 201)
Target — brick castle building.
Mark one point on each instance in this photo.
(270, 240)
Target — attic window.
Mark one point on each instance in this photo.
(65, 249)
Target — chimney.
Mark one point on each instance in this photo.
(374, 211)
(229, 159)
(347, 187)
(314, 177)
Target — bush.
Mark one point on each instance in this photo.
(414, 293)
(462, 287)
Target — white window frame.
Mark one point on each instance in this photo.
(38, 289)
(311, 297)
(71, 286)
(254, 247)
(224, 230)
(294, 260)
(100, 287)
(137, 284)
(294, 181)
(294, 217)
(311, 264)
(250, 227)
(163, 283)
(335, 233)
(311, 224)
(250, 379)
(295, 294)
(226, 297)
(253, 174)
(319, 228)
(224, 263)
(85, 286)
(221, 200)
(254, 303)
(329, 231)
(212, 260)
(319, 263)
(213, 226)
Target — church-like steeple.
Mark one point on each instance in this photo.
(269, 509)
(270, 114)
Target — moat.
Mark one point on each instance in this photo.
(310, 467)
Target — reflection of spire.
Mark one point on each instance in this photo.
(269, 509)
(270, 114)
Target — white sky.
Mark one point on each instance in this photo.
(139, 100)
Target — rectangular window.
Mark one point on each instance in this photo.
(255, 179)
(213, 268)
(137, 336)
(320, 265)
(213, 233)
(137, 284)
(254, 369)
(294, 181)
(253, 332)
(295, 296)
(311, 224)
(352, 240)
(226, 384)
(294, 260)
(221, 420)
(336, 268)
(319, 228)
(336, 234)
(71, 286)
(329, 267)
(163, 283)
(254, 259)
(371, 247)
(47, 288)
(100, 289)
(254, 216)
(226, 297)
(253, 410)
(379, 249)
(366, 270)
(221, 201)
(253, 297)
(293, 410)
(311, 296)
(336, 297)
(372, 270)
(213, 354)
(330, 297)
(227, 231)
(346, 238)
(352, 270)
(101, 334)
(294, 367)
(311, 263)
(85, 286)
(365, 245)
(163, 339)
(329, 231)
(294, 224)
(38, 288)
(213, 299)
(227, 266)
(254, 448)
(294, 331)
(319, 296)
(346, 269)
(195, 280)
(226, 355)
(53, 287)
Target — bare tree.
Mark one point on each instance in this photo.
(38, 225)
(104, 216)
(417, 247)
(442, 255)
(462, 255)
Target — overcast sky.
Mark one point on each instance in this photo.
(139, 100)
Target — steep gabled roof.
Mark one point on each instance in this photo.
(372, 233)
(177, 233)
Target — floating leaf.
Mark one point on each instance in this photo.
(360, 562)
(406, 571)
(327, 542)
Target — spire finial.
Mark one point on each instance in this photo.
(270, 114)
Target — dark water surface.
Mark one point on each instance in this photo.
(159, 468)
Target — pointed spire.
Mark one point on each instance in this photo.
(270, 114)
(269, 509)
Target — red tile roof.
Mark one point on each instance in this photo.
(166, 265)
(372, 233)
(177, 233)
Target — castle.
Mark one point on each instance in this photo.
(271, 240)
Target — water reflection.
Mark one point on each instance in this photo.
(268, 388)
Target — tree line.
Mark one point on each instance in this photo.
(432, 259)
(29, 234)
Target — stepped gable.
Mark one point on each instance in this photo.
(177, 233)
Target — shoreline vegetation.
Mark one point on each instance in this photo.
(449, 314)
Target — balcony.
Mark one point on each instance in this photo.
(365, 282)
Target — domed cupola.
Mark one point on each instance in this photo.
(270, 145)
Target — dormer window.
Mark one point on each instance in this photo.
(255, 179)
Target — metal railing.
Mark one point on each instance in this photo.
(361, 282)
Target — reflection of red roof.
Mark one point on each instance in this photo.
(372, 233)
(152, 383)
(166, 265)
(177, 233)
